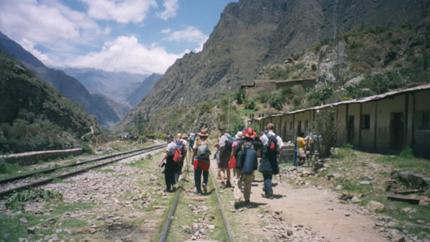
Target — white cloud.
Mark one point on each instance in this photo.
(125, 53)
(122, 11)
(188, 34)
(48, 23)
(170, 9)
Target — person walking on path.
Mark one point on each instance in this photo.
(224, 147)
(238, 139)
(201, 161)
(269, 166)
(181, 146)
(169, 164)
(301, 143)
(247, 164)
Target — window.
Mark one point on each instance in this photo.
(365, 121)
(306, 125)
(423, 119)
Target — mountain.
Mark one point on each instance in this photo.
(120, 109)
(65, 84)
(34, 116)
(115, 85)
(254, 34)
(143, 89)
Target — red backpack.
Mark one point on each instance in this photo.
(177, 156)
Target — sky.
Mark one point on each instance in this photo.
(138, 36)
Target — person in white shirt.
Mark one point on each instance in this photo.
(269, 166)
(169, 164)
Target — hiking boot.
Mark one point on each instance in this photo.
(205, 188)
(228, 184)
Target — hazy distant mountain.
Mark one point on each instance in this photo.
(143, 89)
(65, 84)
(34, 116)
(115, 85)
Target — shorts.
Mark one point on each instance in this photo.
(203, 165)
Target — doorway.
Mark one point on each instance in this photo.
(397, 131)
(351, 129)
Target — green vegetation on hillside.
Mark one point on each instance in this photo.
(33, 115)
(374, 60)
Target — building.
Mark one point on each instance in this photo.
(385, 123)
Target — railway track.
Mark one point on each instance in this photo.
(177, 199)
(44, 176)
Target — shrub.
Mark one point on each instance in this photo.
(250, 104)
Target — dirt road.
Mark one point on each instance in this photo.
(320, 210)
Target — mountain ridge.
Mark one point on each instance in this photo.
(65, 84)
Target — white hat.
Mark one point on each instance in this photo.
(239, 135)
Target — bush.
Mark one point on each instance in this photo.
(250, 104)
(240, 97)
(277, 101)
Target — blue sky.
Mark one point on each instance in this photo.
(141, 36)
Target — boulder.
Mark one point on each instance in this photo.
(411, 179)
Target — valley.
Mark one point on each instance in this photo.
(227, 120)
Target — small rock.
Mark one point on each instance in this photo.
(289, 232)
(23, 220)
(347, 214)
(406, 210)
(31, 230)
(355, 199)
(365, 182)
(211, 226)
(375, 206)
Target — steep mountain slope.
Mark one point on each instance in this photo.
(252, 34)
(66, 85)
(143, 89)
(34, 116)
(115, 85)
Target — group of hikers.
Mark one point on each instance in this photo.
(237, 158)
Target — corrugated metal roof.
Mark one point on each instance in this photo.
(358, 100)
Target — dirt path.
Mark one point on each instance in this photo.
(320, 210)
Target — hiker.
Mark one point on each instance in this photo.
(269, 166)
(247, 164)
(169, 165)
(179, 156)
(191, 140)
(201, 161)
(301, 143)
(224, 151)
(232, 163)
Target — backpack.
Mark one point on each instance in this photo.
(247, 158)
(203, 151)
(272, 144)
(179, 151)
(225, 151)
(191, 140)
(228, 145)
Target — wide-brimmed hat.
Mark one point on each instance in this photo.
(185, 136)
(249, 133)
(203, 133)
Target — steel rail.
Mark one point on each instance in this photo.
(51, 169)
(170, 215)
(227, 225)
(79, 171)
